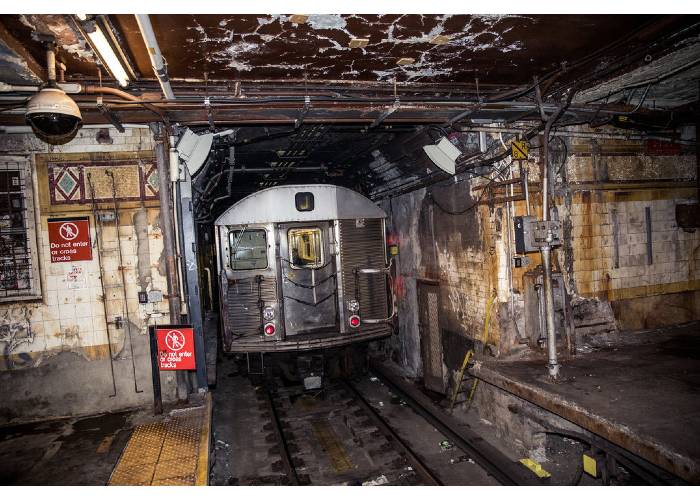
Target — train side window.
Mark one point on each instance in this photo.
(304, 201)
(248, 249)
(305, 249)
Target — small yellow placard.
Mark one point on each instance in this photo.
(519, 150)
(590, 466)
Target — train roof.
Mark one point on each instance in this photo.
(277, 204)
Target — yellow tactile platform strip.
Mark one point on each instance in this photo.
(172, 452)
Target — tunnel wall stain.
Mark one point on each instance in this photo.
(55, 352)
(470, 254)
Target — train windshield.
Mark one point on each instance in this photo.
(248, 249)
(305, 248)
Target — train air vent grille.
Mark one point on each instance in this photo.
(362, 247)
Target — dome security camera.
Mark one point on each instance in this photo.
(53, 115)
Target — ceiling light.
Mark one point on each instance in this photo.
(358, 43)
(298, 18)
(82, 17)
(443, 155)
(107, 54)
(405, 61)
(440, 40)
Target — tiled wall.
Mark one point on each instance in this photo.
(468, 253)
(65, 333)
(613, 186)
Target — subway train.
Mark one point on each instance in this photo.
(303, 268)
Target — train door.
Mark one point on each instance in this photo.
(308, 272)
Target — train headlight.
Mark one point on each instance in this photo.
(269, 329)
(353, 306)
(269, 313)
(354, 321)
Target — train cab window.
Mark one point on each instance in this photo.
(248, 249)
(304, 201)
(305, 248)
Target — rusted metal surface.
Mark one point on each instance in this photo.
(71, 49)
(34, 70)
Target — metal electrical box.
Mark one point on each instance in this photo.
(531, 234)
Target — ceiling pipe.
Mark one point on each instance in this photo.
(90, 89)
(157, 60)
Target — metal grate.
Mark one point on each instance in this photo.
(245, 299)
(362, 246)
(431, 339)
(16, 273)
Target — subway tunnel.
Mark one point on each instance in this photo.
(349, 249)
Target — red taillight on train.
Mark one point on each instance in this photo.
(354, 321)
(269, 329)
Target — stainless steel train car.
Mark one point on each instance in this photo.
(303, 267)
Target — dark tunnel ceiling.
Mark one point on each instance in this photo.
(270, 53)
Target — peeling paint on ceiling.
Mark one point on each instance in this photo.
(14, 69)
(502, 50)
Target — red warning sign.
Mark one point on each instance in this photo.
(175, 348)
(69, 239)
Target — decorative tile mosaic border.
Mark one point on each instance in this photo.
(136, 180)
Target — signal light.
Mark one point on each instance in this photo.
(354, 321)
(269, 329)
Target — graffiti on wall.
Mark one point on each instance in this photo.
(15, 330)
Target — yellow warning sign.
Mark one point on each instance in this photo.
(519, 150)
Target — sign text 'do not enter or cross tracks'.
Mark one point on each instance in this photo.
(69, 239)
(175, 348)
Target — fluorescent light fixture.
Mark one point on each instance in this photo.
(107, 54)
(443, 155)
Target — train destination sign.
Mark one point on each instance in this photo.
(69, 239)
(176, 348)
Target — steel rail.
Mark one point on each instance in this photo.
(423, 471)
(287, 463)
(503, 469)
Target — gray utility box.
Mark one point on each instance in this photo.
(531, 234)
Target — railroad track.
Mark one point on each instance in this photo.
(359, 444)
(362, 446)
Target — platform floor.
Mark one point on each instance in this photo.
(98, 450)
(70, 451)
(173, 451)
(639, 390)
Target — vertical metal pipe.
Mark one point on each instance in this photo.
(162, 145)
(525, 187)
(123, 275)
(546, 252)
(552, 364)
(51, 63)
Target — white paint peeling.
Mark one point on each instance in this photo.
(327, 22)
